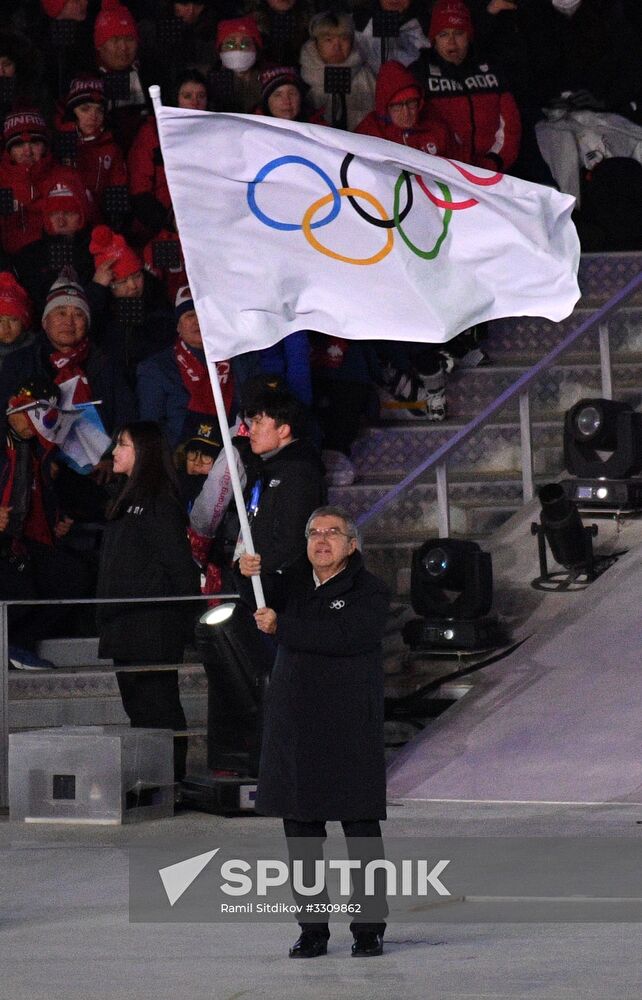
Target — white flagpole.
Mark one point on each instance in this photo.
(246, 534)
(234, 476)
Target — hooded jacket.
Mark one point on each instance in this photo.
(430, 134)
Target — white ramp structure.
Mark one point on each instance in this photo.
(559, 720)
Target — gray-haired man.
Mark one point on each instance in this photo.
(322, 755)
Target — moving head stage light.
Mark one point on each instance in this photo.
(451, 586)
(603, 448)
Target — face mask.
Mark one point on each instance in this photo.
(567, 7)
(238, 60)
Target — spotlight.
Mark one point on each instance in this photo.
(570, 541)
(237, 660)
(603, 447)
(451, 587)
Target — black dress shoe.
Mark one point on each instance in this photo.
(309, 946)
(367, 944)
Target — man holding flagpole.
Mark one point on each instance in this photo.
(322, 754)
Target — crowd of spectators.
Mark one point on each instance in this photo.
(94, 304)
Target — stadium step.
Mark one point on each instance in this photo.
(89, 696)
(485, 473)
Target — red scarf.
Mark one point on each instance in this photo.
(196, 379)
(69, 366)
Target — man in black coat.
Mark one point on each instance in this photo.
(322, 754)
(286, 483)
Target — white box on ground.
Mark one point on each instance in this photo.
(91, 774)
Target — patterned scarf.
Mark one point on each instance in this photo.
(196, 379)
(70, 366)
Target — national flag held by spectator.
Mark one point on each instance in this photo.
(288, 226)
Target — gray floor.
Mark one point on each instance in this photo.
(64, 930)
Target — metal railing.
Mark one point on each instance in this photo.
(520, 388)
(4, 657)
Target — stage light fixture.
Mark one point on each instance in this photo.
(603, 448)
(237, 660)
(570, 541)
(451, 587)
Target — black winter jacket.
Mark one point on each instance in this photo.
(322, 755)
(292, 487)
(145, 553)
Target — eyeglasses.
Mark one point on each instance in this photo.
(322, 532)
(198, 458)
(410, 105)
(245, 43)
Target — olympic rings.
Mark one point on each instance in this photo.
(424, 254)
(440, 203)
(355, 193)
(382, 223)
(473, 178)
(352, 194)
(291, 226)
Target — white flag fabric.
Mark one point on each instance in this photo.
(288, 226)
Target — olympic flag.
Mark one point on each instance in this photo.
(287, 226)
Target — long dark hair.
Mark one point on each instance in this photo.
(153, 476)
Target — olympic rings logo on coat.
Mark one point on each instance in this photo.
(380, 220)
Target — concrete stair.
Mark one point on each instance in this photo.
(485, 473)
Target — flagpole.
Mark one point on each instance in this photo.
(246, 534)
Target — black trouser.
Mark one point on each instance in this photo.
(42, 571)
(151, 699)
(373, 908)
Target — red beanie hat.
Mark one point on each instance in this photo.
(19, 126)
(52, 8)
(106, 245)
(14, 301)
(247, 25)
(65, 190)
(450, 14)
(113, 21)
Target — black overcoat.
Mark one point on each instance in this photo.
(146, 553)
(322, 754)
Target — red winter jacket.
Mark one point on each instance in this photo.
(99, 161)
(145, 165)
(147, 182)
(26, 181)
(480, 111)
(430, 134)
